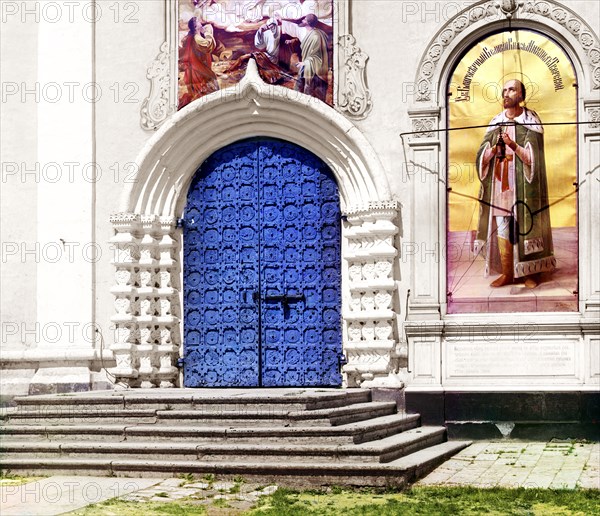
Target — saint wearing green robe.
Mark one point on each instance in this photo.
(514, 194)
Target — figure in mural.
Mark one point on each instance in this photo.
(195, 62)
(514, 193)
(313, 70)
(267, 38)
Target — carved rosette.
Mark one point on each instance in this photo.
(146, 344)
(369, 305)
(354, 97)
(160, 103)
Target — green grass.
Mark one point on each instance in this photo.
(438, 501)
(8, 479)
(339, 501)
(116, 507)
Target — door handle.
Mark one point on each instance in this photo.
(250, 297)
(286, 299)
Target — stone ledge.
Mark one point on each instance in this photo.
(53, 355)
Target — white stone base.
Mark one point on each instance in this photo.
(15, 382)
(53, 380)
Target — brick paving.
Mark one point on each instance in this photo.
(556, 464)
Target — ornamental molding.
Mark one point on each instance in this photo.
(162, 99)
(373, 209)
(488, 327)
(509, 7)
(424, 127)
(476, 16)
(147, 303)
(353, 97)
(170, 158)
(592, 115)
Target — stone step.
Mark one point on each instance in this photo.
(397, 473)
(384, 450)
(74, 414)
(362, 431)
(202, 399)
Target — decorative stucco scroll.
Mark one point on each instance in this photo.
(593, 116)
(161, 101)
(354, 97)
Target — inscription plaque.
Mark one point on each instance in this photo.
(509, 358)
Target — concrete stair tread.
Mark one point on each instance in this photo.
(403, 438)
(79, 412)
(374, 447)
(81, 429)
(437, 453)
(414, 460)
(201, 396)
(294, 414)
(347, 429)
(355, 408)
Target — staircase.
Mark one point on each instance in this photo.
(299, 436)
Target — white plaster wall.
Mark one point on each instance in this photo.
(18, 192)
(127, 41)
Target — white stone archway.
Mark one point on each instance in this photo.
(148, 257)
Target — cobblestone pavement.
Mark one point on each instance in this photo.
(556, 464)
(238, 495)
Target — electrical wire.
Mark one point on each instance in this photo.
(112, 378)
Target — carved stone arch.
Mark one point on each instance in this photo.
(148, 241)
(562, 24)
(252, 108)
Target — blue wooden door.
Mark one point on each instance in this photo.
(262, 269)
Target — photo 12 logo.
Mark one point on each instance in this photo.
(66, 172)
(68, 11)
(69, 92)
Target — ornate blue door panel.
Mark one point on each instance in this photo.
(221, 271)
(262, 269)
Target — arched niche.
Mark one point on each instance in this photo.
(431, 332)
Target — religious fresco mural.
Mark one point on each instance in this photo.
(290, 40)
(512, 240)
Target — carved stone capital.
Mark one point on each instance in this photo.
(592, 115)
(125, 222)
(424, 127)
(386, 210)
